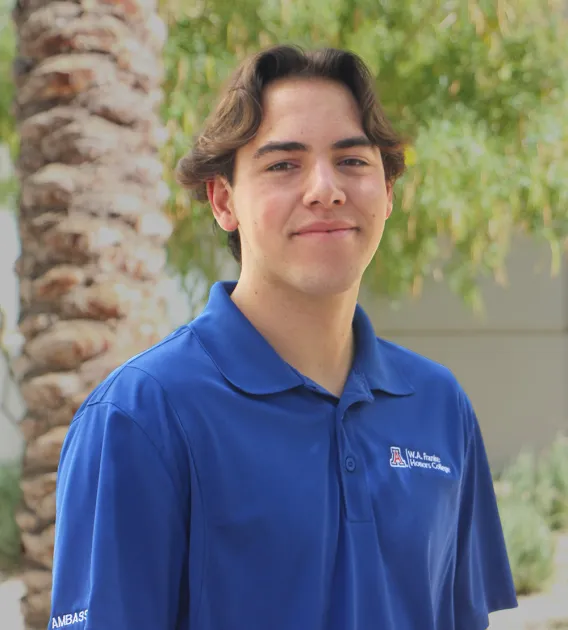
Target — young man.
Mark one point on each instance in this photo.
(273, 465)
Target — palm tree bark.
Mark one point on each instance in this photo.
(93, 236)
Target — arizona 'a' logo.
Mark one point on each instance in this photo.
(397, 460)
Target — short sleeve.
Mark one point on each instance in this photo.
(483, 582)
(121, 544)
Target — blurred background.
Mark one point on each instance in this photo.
(101, 254)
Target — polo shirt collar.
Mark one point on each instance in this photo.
(229, 337)
(375, 361)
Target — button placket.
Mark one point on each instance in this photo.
(356, 497)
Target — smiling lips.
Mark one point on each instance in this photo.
(326, 228)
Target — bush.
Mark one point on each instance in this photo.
(9, 532)
(553, 475)
(533, 501)
(530, 544)
(541, 481)
(524, 481)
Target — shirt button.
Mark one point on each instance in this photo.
(350, 464)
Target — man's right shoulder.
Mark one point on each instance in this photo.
(135, 407)
(160, 375)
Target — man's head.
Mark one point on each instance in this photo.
(298, 162)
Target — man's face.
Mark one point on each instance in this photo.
(309, 195)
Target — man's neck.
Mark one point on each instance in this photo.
(313, 334)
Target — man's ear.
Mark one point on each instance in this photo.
(390, 197)
(220, 195)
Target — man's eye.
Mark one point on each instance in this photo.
(281, 166)
(353, 162)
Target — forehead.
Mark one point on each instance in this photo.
(299, 109)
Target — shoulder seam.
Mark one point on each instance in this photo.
(166, 397)
(174, 411)
(141, 429)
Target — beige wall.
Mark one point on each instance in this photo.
(11, 410)
(513, 361)
(11, 441)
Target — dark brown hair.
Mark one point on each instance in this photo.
(238, 115)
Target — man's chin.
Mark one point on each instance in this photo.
(326, 285)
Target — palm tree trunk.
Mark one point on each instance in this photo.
(88, 84)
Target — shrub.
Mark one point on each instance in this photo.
(530, 544)
(553, 475)
(541, 481)
(9, 532)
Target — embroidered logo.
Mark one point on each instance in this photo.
(397, 460)
(416, 459)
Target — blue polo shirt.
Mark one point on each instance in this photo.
(208, 485)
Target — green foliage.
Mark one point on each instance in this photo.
(542, 482)
(553, 474)
(9, 532)
(479, 86)
(523, 480)
(530, 544)
(7, 51)
(8, 135)
(533, 502)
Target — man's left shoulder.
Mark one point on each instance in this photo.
(421, 372)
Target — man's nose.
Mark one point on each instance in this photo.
(323, 188)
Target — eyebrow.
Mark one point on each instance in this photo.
(290, 145)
